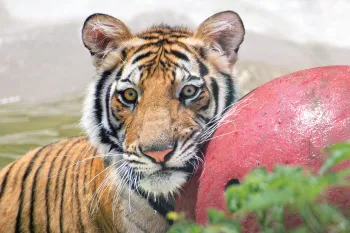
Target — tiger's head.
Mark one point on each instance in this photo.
(157, 95)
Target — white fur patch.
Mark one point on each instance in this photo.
(88, 121)
(163, 182)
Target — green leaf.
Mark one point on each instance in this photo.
(221, 228)
(301, 229)
(215, 216)
(267, 200)
(339, 146)
(185, 227)
(330, 216)
(340, 152)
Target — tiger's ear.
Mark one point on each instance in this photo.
(102, 33)
(224, 32)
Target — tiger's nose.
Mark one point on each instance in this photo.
(158, 156)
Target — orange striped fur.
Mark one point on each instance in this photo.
(47, 190)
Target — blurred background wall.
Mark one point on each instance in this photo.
(44, 68)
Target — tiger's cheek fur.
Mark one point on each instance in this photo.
(120, 112)
(202, 103)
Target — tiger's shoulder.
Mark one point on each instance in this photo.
(62, 148)
(38, 190)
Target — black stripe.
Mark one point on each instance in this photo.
(145, 65)
(80, 221)
(205, 119)
(58, 175)
(98, 108)
(150, 37)
(124, 54)
(158, 43)
(171, 62)
(107, 110)
(189, 167)
(170, 33)
(145, 46)
(63, 189)
(141, 56)
(179, 55)
(215, 92)
(191, 78)
(206, 106)
(230, 96)
(98, 90)
(91, 172)
(162, 63)
(92, 160)
(119, 73)
(161, 205)
(16, 177)
(72, 210)
(187, 148)
(203, 69)
(136, 162)
(104, 137)
(32, 222)
(184, 46)
(94, 174)
(21, 195)
(116, 118)
(177, 36)
(4, 181)
(202, 53)
(188, 138)
(47, 189)
(126, 80)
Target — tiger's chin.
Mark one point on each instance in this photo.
(163, 183)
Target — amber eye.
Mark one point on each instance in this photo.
(189, 91)
(130, 95)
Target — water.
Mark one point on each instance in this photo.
(26, 126)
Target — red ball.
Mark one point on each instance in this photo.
(288, 120)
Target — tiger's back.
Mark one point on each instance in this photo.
(51, 188)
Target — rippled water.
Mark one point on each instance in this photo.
(24, 127)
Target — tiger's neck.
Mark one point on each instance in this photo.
(124, 210)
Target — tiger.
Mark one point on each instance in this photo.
(155, 99)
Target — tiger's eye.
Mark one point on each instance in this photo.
(189, 90)
(130, 95)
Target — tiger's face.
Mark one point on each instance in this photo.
(157, 96)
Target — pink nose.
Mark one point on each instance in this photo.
(159, 156)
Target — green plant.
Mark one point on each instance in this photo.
(271, 195)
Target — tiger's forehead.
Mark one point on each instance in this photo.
(173, 60)
(141, 76)
(165, 32)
